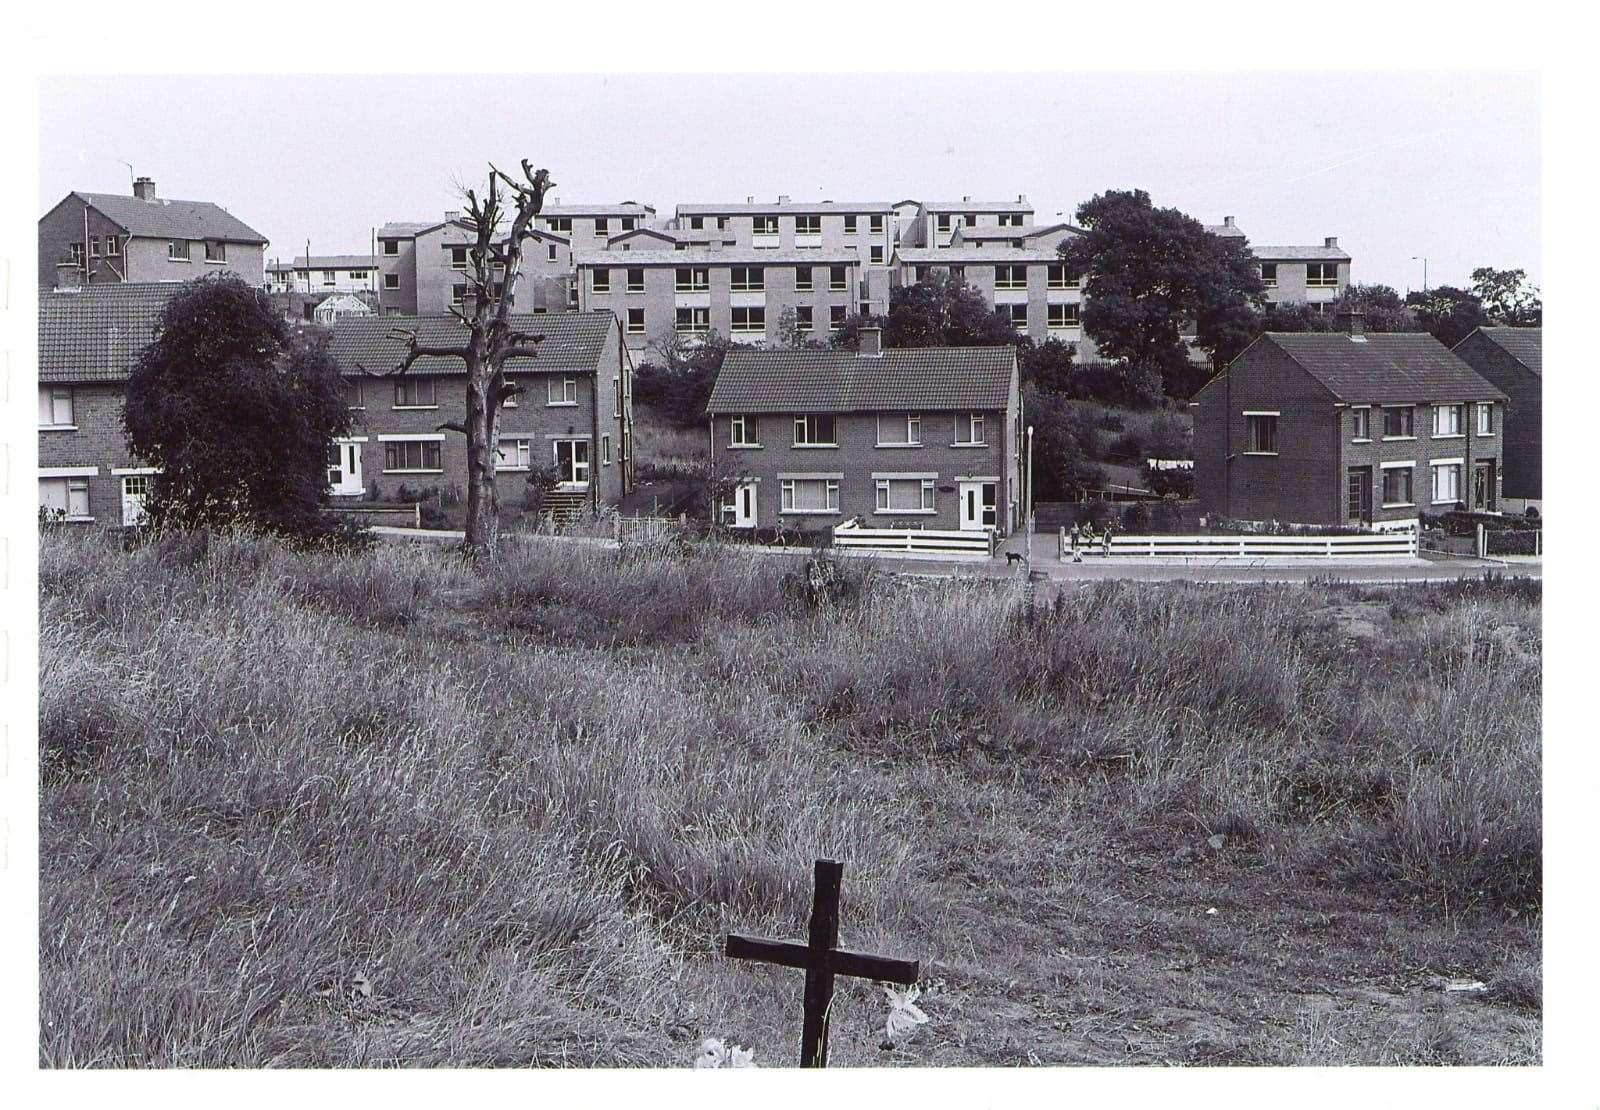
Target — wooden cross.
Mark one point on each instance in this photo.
(821, 960)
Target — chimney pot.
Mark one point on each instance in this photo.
(965, 198)
(1227, 221)
(783, 198)
(1022, 198)
(871, 343)
(1331, 241)
(451, 215)
(1353, 322)
(144, 188)
(749, 200)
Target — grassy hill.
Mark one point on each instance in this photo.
(386, 809)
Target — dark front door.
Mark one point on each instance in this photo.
(1358, 494)
(1483, 486)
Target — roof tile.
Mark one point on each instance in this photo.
(95, 334)
(1384, 367)
(572, 341)
(927, 378)
(172, 219)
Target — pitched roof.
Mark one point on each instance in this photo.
(1230, 231)
(572, 341)
(753, 380)
(705, 256)
(795, 207)
(407, 229)
(1384, 367)
(95, 334)
(171, 219)
(1522, 344)
(1300, 254)
(332, 262)
(960, 256)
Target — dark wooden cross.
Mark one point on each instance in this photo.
(821, 960)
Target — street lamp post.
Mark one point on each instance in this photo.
(1424, 260)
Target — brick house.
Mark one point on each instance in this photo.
(925, 437)
(97, 238)
(574, 419)
(89, 342)
(1510, 359)
(1347, 428)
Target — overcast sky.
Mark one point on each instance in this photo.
(1441, 165)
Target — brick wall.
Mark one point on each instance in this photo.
(1522, 442)
(95, 440)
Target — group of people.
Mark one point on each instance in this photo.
(1081, 538)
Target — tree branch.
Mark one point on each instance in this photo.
(452, 426)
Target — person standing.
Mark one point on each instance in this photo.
(1106, 540)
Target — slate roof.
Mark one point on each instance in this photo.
(95, 334)
(1387, 368)
(923, 378)
(1522, 344)
(405, 229)
(725, 256)
(1231, 231)
(333, 262)
(1300, 254)
(572, 341)
(960, 256)
(793, 207)
(171, 219)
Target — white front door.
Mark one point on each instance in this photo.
(344, 468)
(135, 487)
(978, 501)
(740, 510)
(572, 462)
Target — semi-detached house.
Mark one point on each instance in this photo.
(917, 437)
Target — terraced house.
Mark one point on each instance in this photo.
(1341, 428)
(89, 342)
(914, 437)
(574, 422)
(1512, 360)
(100, 238)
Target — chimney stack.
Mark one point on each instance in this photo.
(1331, 241)
(451, 216)
(1227, 221)
(144, 188)
(783, 198)
(749, 200)
(1353, 322)
(871, 344)
(965, 199)
(1022, 198)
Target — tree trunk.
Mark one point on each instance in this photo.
(483, 504)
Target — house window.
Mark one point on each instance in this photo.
(391, 247)
(1010, 219)
(692, 321)
(875, 225)
(113, 246)
(1010, 277)
(458, 293)
(1057, 276)
(602, 281)
(905, 495)
(561, 391)
(602, 226)
(215, 251)
(744, 430)
(94, 246)
(692, 279)
(875, 255)
(958, 273)
(329, 277)
(415, 393)
(802, 279)
(942, 222)
(355, 393)
(65, 498)
(1447, 420)
(802, 318)
(391, 281)
(627, 223)
(815, 431)
(178, 250)
(1397, 485)
(458, 258)
(900, 429)
(749, 319)
(76, 251)
(765, 225)
(550, 252)
(1063, 316)
(55, 406)
(1261, 433)
(1446, 483)
(1269, 274)
(697, 223)
(358, 275)
(1018, 315)
(1485, 412)
(412, 454)
(559, 223)
(837, 280)
(635, 321)
(809, 495)
(605, 450)
(836, 314)
(1322, 275)
(747, 279)
(808, 225)
(636, 280)
(1399, 422)
(513, 454)
(849, 225)
(1361, 424)
(969, 429)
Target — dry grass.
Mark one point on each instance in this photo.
(664, 449)
(385, 809)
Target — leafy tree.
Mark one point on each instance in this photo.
(1508, 298)
(237, 411)
(1148, 273)
(1063, 447)
(944, 311)
(847, 336)
(1048, 365)
(1447, 313)
(681, 385)
(1382, 308)
(790, 335)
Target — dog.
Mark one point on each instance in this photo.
(1013, 557)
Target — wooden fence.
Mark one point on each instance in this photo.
(915, 540)
(646, 529)
(1382, 545)
(399, 516)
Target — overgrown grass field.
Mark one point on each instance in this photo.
(386, 809)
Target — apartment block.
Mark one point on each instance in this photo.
(589, 227)
(935, 223)
(1314, 275)
(101, 238)
(324, 273)
(741, 292)
(423, 268)
(1041, 295)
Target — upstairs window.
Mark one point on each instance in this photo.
(808, 225)
(216, 251)
(627, 223)
(1269, 274)
(697, 223)
(1057, 276)
(602, 225)
(391, 281)
(875, 225)
(458, 258)
(1485, 411)
(1361, 424)
(849, 225)
(1321, 275)
(744, 430)
(1063, 316)
(836, 314)
(692, 321)
(747, 279)
(55, 406)
(1399, 422)
(899, 429)
(815, 431)
(1447, 420)
(802, 279)
(943, 222)
(354, 393)
(1010, 277)
(1017, 314)
(969, 429)
(635, 321)
(561, 391)
(838, 281)
(749, 319)
(692, 279)
(803, 318)
(636, 280)
(876, 255)
(415, 393)
(113, 246)
(1261, 433)
(764, 225)
(94, 246)
(602, 281)
(390, 247)
(178, 250)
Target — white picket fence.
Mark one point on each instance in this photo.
(1374, 545)
(916, 540)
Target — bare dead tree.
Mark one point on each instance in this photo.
(490, 340)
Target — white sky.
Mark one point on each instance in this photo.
(1442, 165)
